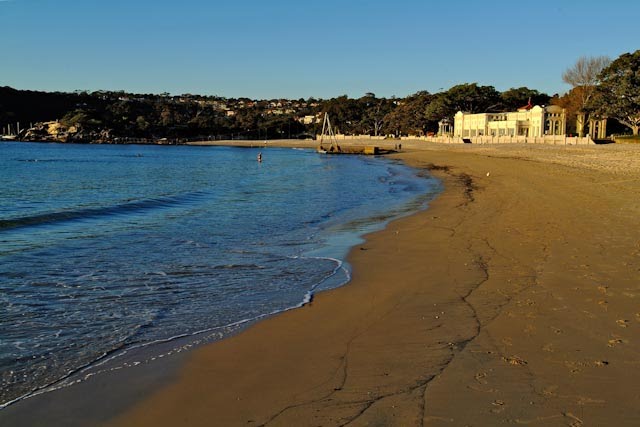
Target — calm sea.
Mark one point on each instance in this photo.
(108, 249)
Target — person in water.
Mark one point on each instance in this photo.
(260, 157)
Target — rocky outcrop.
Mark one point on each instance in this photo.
(56, 131)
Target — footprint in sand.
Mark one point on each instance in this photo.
(584, 400)
(514, 360)
(573, 420)
(574, 366)
(622, 323)
(480, 377)
(498, 406)
(614, 342)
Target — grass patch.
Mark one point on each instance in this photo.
(627, 139)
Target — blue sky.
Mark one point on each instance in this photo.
(299, 49)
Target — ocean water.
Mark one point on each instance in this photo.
(107, 249)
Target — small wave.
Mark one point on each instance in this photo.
(88, 370)
(91, 213)
(238, 267)
(56, 160)
(339, 266)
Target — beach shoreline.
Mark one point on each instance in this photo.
(509, 300)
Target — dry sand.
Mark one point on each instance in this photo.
(514, 299)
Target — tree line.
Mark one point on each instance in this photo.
(600, 88)
(157, 116)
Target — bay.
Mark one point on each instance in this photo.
(105, 248)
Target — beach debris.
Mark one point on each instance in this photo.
(498, 402)
(514, 360)
(601, 362)
(488, 173)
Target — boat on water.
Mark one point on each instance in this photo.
(7, 137)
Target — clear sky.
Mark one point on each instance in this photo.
(301, 48)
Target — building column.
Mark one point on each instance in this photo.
(602, 129)
(580, 119)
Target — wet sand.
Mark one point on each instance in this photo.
(514, 299)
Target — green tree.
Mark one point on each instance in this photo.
(468, 97)
(515, 98)
(372, 113)
(345, 114)
(472, 98)
(409, 115)
(618, 94)
(142, 123)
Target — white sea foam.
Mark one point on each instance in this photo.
(202, 336)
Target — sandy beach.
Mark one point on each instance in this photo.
(514, 299)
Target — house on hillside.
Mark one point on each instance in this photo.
(529, 120)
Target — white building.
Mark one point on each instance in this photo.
(529, 120)
(307, 120)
